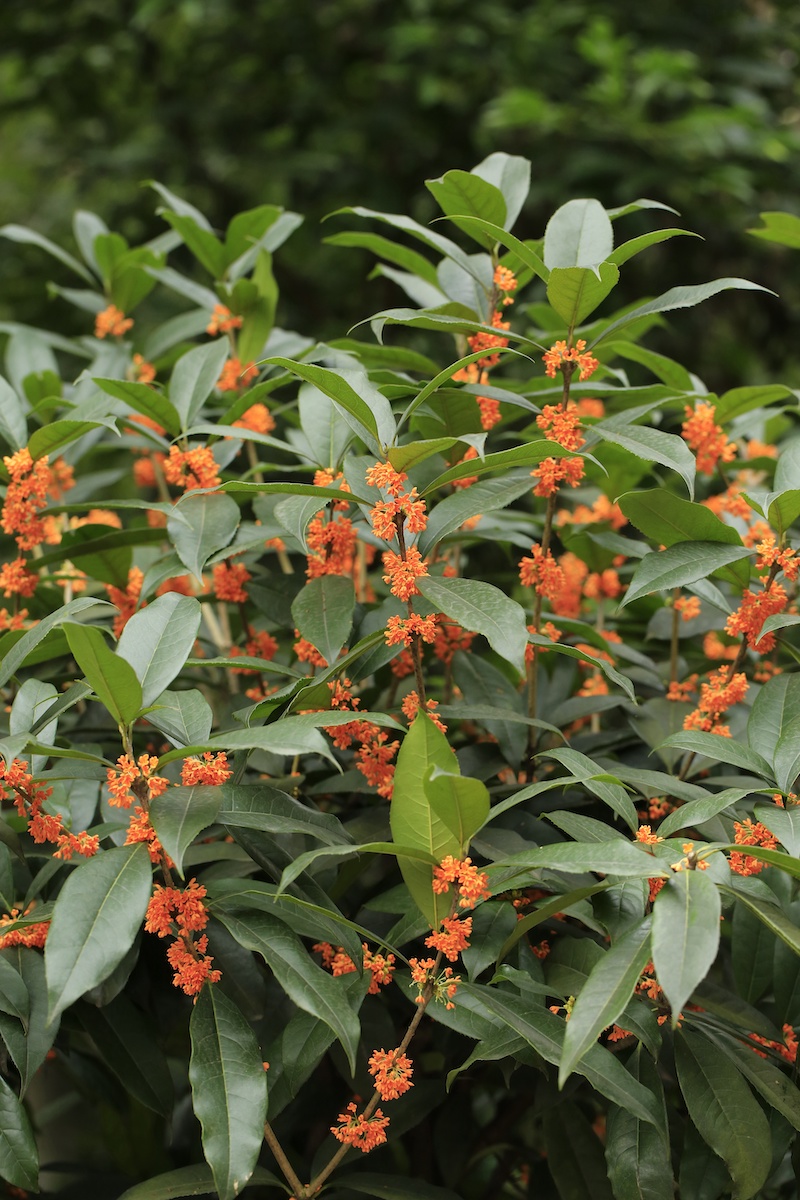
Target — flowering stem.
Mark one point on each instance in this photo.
(282, 1161)
(533, 666)
(416, 650)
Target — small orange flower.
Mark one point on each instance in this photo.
(365, 1133)
(706, 438)
(236, 376)
(229, 581)
(559, 353)
(392, 1071)
(750, 833)
(141, 370)
(126, 600)
(211, 769)
(34, 935)
(222, 321)
(257, 418)
(191, 468)
(401, 573)
(452, 938)
(111, 322)
(17, 580)
(505, 281)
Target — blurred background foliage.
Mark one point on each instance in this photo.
(314, 105)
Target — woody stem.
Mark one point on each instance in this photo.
(673, 648)
(533, 666)
(416, 650)
(282, 1161)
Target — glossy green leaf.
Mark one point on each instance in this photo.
(206, 248)
(97, 915)
(393, 1187)
(781, 227)
(611, 793)
(574, 1154)
(764, 1074)
(575, 292)
(724, 1112)
(786, 755)
(113, 680)
(127, 1045)
(740, 400)
(194, 377)
(19, 1159)
(511, 173)
(769, 914)
(678, 297)
(28, 1045)
(13, 423)
(351, 391)
(414, 822)
(604, 995)
(306, 984)
(180, 814)
(481, 608)
(393, 252)
(610, 858)
(668, 519)
(323, 613)
(30, 237)
(14, 998)
(143, 399)
(637, 1154)
(184, 717)
(686, 916)
(200, 525)
(229, 1089)
(653, 445)
(719, 749)
(461, 803)
(784, 823)
(683, 563)
(190, 1181)
(776, 706)
(462, 192)
(58, 434)
(698, 811)
(504, 460)
(579, 234)
(635, 246)
(157, 640)
(486, 496)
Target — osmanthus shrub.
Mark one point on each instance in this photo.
(399, 752)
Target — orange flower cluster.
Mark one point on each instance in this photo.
(402, 573)
(602, 583)
(17, 580)
(181, 913)
(560, 353)
(403, 630)
(690, 862)
(381, 966)
(210, 770)
(29, 798)
(442, 987)
(130, 781)
(601, 510)
(489, 341)
(562, 425)
(472, 883)
(257, 418)
(364, 1133)
(505, 281)
(126, 599)
(386, 514)
(34, 935)
(771, 555)
(645, 835)
(307, 652)
(489, 409)
(753, 612)
(450, 637)
(716, 697)
(112, 322)
(374, 761)
(331, 546)
(787, 1049)
(688, 607)
(411, 706)
(222, 321)
(26, 494)
(452, 938)
(12, 620)
(260, 644)
(229, 580)
(392, 1071)
(236, 376)
(542, 573)
(750, 833)
(706, 438)
(190, 469)
(552, 472)
(142, 371)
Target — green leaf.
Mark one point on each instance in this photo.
(157, 640)
(786, 755)
(724, 1112)
(462, 804)
(394, 1187)
(652, 445)
(229, 1089)
(611, 793)
(608, 858)
(544, 1031)
(414, 822)
(461, 192)
(112, 679)
(775, 708)
(560, 903)
(190, 1181)
(685, 562)
(486, 496)
(19, 1159)
(58, 434)
(666, 369)
(180, 814)
(698, 811)
(273, 811)
(678, 297)
(184, 717)
(781, 227)
(393, 252)
(575, 292)
(574, 1154)
(142, 398)
(194, 377)
(14, 658)
(720, 749)
(352, 391)
(635, 246)
(199, 526)
(13, 424)
(481, 608)
(604, 995)
(738, 401)
(478, 225)
(578, 234)
(404, 457)
(20, 234)
(686, 916)
(127, 1045)
(504, 460)
(97, 915)
(668, 519)
(206, 248)
(511, 173)
(323, 613)
(14, 998)
(638, 1156)
(28, 1045)
(764, 1074)
(784, 823)
(306, 984)
(769, 914)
